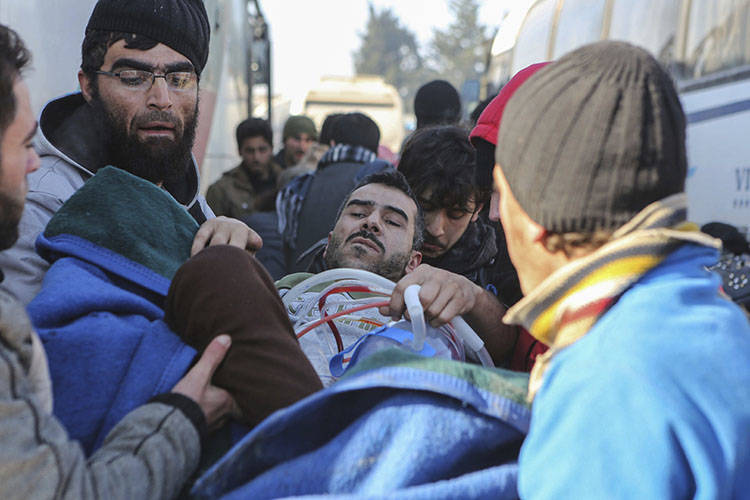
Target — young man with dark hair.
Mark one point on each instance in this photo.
(460, 249)
(643, 393)
(251, 186)
(377, 229)
(137, 110)
(355, 209)
(155, 448)
(439, 164)
(307, 206)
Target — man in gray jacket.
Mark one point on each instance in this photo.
(137, 110)
(155, 448)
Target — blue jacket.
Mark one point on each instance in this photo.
(660, 386)
(114, 247)
(399, 426)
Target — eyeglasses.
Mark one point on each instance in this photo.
(137, 79)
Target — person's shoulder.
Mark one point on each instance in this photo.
(673, 317)
(275, 167)
(55, 177)
(677, 358)
(15, 327)
(229, 178)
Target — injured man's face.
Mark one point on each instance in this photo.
(375, 232)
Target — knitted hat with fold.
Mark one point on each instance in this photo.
(181, 25)
(484, 134)
(299, 124)
(592, 139)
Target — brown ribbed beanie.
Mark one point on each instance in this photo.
(590, 140)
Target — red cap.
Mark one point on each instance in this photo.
(488, 123)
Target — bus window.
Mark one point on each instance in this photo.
(648, 24)
(580, 22)
(533, 39)
(498, 72)
(717, 37)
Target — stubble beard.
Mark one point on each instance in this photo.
(393, 267)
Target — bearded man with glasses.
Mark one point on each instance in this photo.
(137, 110)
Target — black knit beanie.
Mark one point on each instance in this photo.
(590, 140)
(181, 25)
(437, 103)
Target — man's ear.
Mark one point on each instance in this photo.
(477, 209)
(85, 83)
(539, 235)
(538, 232)
(414, 260)
(327, 243)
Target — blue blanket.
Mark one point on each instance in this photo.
(400, 427)
(109, 350)
(113, 246)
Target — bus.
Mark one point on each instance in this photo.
(53, 30)
(367, 94)
(705, 44)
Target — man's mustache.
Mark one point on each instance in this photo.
(369, 236)
(431, 240)
(156, 116)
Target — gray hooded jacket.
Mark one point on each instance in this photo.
(72, 149)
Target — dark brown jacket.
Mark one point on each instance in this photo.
(235, 195)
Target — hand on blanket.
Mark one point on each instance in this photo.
(225, 231)
(216, 403)
(444, 295)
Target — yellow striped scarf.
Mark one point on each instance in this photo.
(566, 305)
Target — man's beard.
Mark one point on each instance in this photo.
(392, 267)
(157, 159)
(258, 171)
(10, 215)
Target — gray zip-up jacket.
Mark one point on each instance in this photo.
(72, 148)
(149, 454)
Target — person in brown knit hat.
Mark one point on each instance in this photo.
(641, 393)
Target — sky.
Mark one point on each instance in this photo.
(313, 39)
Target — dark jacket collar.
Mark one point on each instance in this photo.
(245, 177)
(475, 249)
